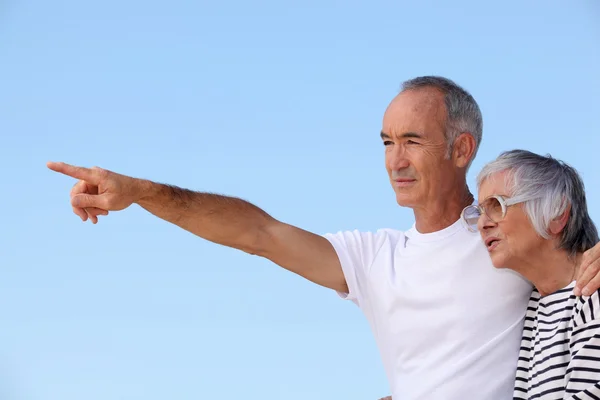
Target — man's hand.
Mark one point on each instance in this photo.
(98, 190)
(588, 277)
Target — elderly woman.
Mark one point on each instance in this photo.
(532, 216)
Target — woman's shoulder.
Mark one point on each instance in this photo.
(587, 310)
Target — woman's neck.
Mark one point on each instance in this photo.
(551, 270)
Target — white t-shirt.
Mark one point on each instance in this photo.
(447, 323)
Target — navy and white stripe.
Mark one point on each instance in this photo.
(560, 349)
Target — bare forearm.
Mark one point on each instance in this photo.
(228, 221)
(224, 220)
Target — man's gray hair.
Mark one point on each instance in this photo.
(552, 186)
(462, 111)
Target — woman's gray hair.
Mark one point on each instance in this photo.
(462, 111)
(552, 186)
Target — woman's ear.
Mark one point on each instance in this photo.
(558, 224)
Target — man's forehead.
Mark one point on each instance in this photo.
(414, 108)
(421, 99)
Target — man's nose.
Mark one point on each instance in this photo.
(397, 159)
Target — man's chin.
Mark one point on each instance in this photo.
(405, 201)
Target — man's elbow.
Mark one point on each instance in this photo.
(259, 241)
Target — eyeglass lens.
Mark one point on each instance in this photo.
(471, 216)
(492, 208)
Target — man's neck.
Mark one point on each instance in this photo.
(442, 212)
(551, 270)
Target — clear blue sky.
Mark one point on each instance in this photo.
(277, 102)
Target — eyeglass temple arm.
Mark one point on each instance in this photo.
(518, 199)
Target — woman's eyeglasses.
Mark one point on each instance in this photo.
(494, 207)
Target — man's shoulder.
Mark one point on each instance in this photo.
(365, 240)
(390, 232)
(366, 235)
(369, 231)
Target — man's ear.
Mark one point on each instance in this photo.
(558, 224)
(463, 149)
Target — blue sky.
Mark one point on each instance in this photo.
(276, 102)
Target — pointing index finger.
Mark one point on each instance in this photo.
(82, 173)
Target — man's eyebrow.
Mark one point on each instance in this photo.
(404, 135)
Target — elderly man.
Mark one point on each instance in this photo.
(447, 323)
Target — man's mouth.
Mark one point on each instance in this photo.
(403, 182)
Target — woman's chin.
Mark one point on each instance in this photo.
(498, 260)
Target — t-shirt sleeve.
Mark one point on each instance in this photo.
(356, 251)
(583, 372)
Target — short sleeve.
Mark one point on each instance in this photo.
(582, 378)
(356, 251)
(588, 309)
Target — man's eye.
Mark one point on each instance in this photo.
(387, 142)
(411, 142)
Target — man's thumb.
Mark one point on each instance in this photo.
(89, 200)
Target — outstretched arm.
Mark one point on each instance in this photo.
(220, 219)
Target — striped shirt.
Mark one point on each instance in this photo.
(560, 350)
